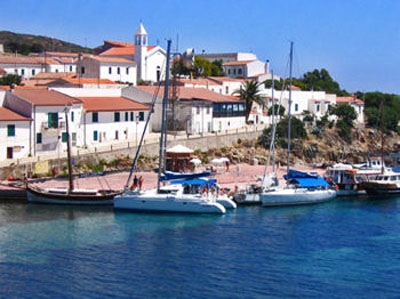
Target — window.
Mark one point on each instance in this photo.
(117, 117)
(127, 70)
(52, 120)
(82, 69)
(95, 135)
(296, 107)
(22, 72)
(226, 90)
(317, 107)
(197, 110)
(33, 72)
(132, 117)
(95, 117)
(239, 71)
(70, 68)
(118, 70)
(110, 70)
(141, 116)
(116, 135)
(10, 130)
(72, 116)
(38, 138)
(64, 137)
(126, 116)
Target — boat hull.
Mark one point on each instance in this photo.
(78, 197)
(296, 196)
(227, 203)
(379, 189)
(155, 202)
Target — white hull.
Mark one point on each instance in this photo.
(226, 202)
(296, 196)
(151, 201)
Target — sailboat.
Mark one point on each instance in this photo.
(387, 182)
(301, 187)
(70, 195)
(170, 198)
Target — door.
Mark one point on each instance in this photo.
(9, 152)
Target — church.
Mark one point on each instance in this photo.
(124, 62)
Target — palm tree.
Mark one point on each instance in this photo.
(250, 93)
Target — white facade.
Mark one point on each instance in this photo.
(16, 146)
(114, 69)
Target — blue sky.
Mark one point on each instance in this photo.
(357, 41)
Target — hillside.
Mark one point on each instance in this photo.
(27, 43)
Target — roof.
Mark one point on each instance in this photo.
(191, 93)
(48, 75)
(201, 81)
(104, 104)
(105, 59)
(234, 63)
(5, 59)
(45, 97)
(348, 100)
(9, 115)
(80, 81)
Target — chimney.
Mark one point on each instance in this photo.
(267, 67)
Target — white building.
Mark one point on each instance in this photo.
(46, 108)
(113, 68)
(14, 132)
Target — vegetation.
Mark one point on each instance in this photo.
(373, 110)
(297, 131)
(200, 68)
(278, 110)
(28, 43)
(250, 93)
(10, 79)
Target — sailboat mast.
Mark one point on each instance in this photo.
(71, 183)
(290, 105)
(163, 138)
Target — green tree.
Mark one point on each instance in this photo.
(319, 80)
(345, 112)
(250, 93)
(278, 110)
(10, 79)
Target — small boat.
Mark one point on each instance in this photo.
(69, 195)
(348, 178)
(249, 195)
(385, 184)
(169, 198)
(301, 188)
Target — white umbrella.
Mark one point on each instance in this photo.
(216, 161)
(195, 161)
(224, 159)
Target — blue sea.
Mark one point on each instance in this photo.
(347, 248)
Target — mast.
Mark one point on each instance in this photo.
(163, 138)
(289, 107)
(70, 179)
(382, 138)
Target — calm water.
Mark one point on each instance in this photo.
(342, 249)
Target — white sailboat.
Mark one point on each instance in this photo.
(171, 198)
(301, 188)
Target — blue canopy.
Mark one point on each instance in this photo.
(170, 175)
(196, 182)
(306, 179)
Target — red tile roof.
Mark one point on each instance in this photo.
(6, 59)
(240, 62)
(9, 115)
(105, 59)
(45, 97)
(80, 81)
(189, 93)
(99, 104)
(349, 99)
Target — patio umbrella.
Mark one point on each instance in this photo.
(195, 161)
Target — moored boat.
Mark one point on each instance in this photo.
(385, 184)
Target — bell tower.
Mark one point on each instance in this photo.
(141, 43)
